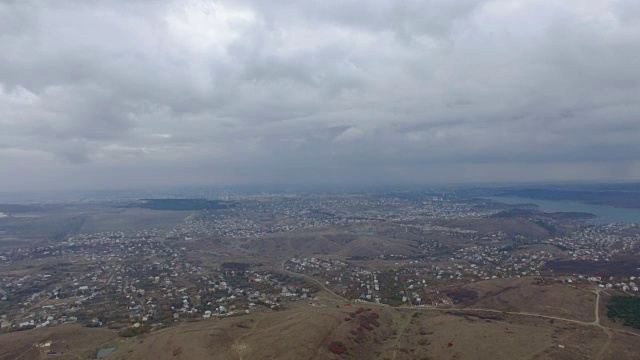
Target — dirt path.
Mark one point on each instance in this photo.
(600, 356)
(190, 216)
(605, 347)
(607, 331)
(588, 323)
(400, 333)
(597, 320)
(241, 347)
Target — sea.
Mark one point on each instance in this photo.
(604, 214)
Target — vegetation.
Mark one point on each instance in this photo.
(545, 225)
(514, 213)
(625, 308)
(134, 331)
(235, 266)
(462, 295)
(602, 268)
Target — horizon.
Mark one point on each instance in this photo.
(216, 191)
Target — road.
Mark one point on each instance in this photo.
(312, 279)
(440, 309)
(597, 320)
(606, 330)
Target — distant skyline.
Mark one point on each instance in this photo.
(134, 94)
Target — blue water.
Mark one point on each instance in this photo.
(605, 214)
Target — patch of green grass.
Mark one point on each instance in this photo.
(625, 308)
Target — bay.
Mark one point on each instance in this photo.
(604, 214)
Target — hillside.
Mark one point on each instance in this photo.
(331, 243)
(331, 330)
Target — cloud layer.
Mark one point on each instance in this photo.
(128, 94)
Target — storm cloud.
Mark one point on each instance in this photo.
(128, 94)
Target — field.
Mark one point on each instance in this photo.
(482, 336)
(337, 243)
(511, 226)
(532, 296)
(67, 342)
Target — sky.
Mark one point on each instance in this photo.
(127, 94)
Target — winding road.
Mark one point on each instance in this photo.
(312, 279)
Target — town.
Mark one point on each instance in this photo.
(202, 268)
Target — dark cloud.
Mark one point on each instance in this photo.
(119, 93)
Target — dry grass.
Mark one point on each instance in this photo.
(514, 226)
(335, 243)
(304, 332)
(68, 341)
(523, 295)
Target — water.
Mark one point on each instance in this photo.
(605, 214)
(104, 352)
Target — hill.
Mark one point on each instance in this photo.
(331, 330)
(335, 243)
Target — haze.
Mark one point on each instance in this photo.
(124, 94)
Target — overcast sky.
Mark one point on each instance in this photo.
(121, 94)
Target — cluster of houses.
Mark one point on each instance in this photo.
(484, 262)
(601, 243)
(609, 283)
(255, 216)
(416, 281)
(131, 279)
(401, 285)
